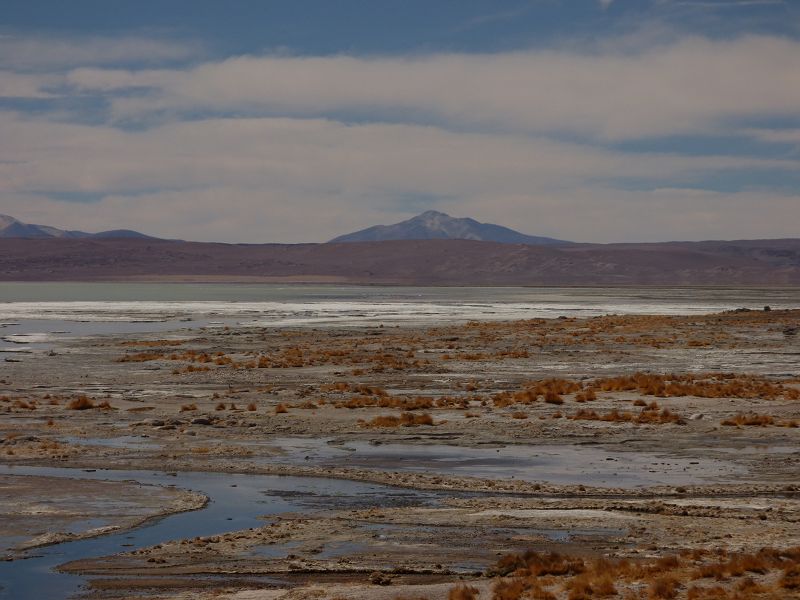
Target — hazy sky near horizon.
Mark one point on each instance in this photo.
(296, 121)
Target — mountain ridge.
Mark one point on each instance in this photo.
(11, 227)
(433, 224)
(407, 262)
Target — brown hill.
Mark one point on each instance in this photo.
(417, 262)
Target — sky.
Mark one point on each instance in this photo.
(300, 120)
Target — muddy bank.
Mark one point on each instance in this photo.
(39, 511)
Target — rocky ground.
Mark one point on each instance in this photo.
(632, 440)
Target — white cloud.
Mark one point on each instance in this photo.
(289, 180)
(16, 85)
(785, 136)
(288, 171)
(28, 52)
(691, 86)
(316, 153)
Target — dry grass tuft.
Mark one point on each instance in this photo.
(406, 419)
(552, 397)
(463, 592)
(539, 576)
(508, 589)
(790, 579)
(649, 415)
(80, 403)
(663, 588)
(703, 385)
(757, 420)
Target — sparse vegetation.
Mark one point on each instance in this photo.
(406, 419)
(648, 416)
(535, 575)
(757, 420)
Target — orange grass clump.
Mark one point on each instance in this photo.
(463, 592)
(406, 419)
(648, 416)
(142, 357)
(790, 580)
(540, 576)
(80, 403)
(704, 385)
(756, 420)
(665, 588)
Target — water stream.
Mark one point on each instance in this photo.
(237, 502)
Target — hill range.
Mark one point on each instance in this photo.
(406, 262)
(429, 249)
(14, 228)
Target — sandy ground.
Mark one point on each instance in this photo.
(717, 453)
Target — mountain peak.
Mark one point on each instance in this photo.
(433, 224)
(433, 219)
(6, 220)
(430, 214)
(14, 228)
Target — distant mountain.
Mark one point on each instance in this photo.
(14, 228)
(407, 262)
(433, 225)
